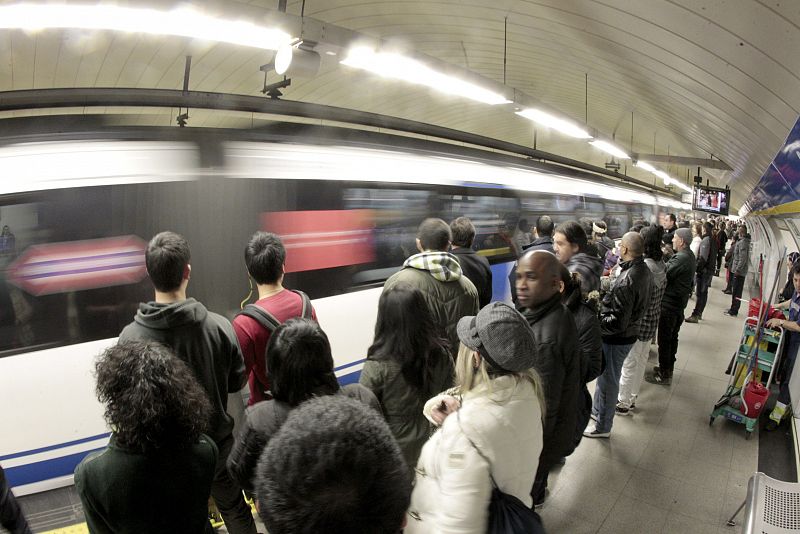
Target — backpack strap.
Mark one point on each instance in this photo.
(306, 313)
(262, 316)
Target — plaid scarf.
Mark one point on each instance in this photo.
(443, 266)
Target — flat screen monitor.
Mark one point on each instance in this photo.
(711, 200)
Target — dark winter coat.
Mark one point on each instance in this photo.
(262, 421)
(625, 304)
(680, 273)
(477, 269)
(589, 268)
(205, 341)
(558, 363)
(11, 517)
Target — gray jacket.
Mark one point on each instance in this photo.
(741, 256)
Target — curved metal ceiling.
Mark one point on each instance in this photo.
(694, 77)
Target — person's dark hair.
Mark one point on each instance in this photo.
(545, 226)
(708, 229)
(572, 287)
(166, 259)
(574, 233)
(463, 232)
(333, 466)
(299, 362)
(405, 332)
(523, 225)
(600, 224)
(264, 256)
(636, 228)
(672, 217)
(796, 268)
(434, 234)
(152, 398)
(586, 224)
(684, 224)
(652, 236)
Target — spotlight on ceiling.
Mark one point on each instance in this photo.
(296, 61)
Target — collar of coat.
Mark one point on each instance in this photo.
(534, 314)
(443, 266)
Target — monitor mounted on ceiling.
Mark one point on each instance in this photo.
(711, 199)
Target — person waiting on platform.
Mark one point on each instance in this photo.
(333, 467)
(265, 258)
(407, 364)
(704, 271)
(300, 365)
(207, 343)
(791, 328)
(11, 517)
(636, 362)
(544, 241)
(156, 474)
(473, 265)
(739, 267)
(449, 294)
(572, 249)
(788, 290)
(722, 240)
(491, 427)
(601, 239)
(622, 310)
(556, 357)
(680, 271)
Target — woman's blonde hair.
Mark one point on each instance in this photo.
(468, 376)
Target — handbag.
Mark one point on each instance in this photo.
(507, 514)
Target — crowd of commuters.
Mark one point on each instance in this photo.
(461, 400)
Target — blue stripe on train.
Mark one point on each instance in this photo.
(65, 465)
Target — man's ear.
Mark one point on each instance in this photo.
(187, 272)
(419, 246)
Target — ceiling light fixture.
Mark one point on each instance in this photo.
(646, 166)
(294, 61)
(551, 121)
(608, 148)
(396, 66)
(181, 22)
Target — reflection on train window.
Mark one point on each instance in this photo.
(495, 219)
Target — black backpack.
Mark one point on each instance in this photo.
(268, 321)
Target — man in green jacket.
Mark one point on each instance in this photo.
(680, 271)
(437, 273)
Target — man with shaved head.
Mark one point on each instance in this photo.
(621, 312)
(538, 283)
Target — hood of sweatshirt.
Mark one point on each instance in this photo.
(583, 262)
(165, 316)
(443, 266)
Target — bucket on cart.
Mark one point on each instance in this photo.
(755, 398)
(755, 307)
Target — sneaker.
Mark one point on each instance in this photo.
(595, 434)
(727, 291)
(658, 378)
(771, 425)
(621, 410)
(693, 319)
(729, 313)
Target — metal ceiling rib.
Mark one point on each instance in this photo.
(699, 76)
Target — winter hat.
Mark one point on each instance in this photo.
(501, 335)
(685, 234)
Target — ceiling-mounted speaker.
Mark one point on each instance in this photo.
(294, 61)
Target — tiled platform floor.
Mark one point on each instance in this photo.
(665, 470)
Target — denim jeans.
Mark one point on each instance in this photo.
(702, 284)
(607, 388)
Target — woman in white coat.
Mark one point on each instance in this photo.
(496, 407)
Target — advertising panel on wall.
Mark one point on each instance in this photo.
(778, 191)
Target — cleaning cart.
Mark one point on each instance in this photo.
(755, 364)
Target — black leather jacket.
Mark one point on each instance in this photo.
(624, 305)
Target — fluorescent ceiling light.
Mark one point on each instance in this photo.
(551, 121)
(181, 22)
(664, 176)
(396, 66)
(646, 166)
(610, 149)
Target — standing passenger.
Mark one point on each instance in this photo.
(544, 241)
(491, 427)
(601, 239)
(706, 258)
(722, 240)
(556, 357)
(407, 364)
(301, 367)
(11, 517)
(680, 270)
(621, 313)
(265, 257)
(437, 273)
(636, 363)
(571, 248)
(473, 265)
(156, 474)
(739, 266)
(207, 343)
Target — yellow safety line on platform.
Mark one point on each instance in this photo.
(72, 529)
(783, 209)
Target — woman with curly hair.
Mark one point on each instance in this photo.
(155, 476)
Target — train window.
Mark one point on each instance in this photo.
(495, 218)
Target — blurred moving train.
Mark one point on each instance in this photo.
(79, 209)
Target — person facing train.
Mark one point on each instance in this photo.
(265, 258)
(571, 247)
(449, 294)
(206, 342)
(473, 265)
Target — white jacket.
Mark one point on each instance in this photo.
(453, 488)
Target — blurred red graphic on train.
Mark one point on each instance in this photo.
(77, 265)
(323, 239)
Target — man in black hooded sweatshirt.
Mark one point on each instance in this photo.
(207, 343)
